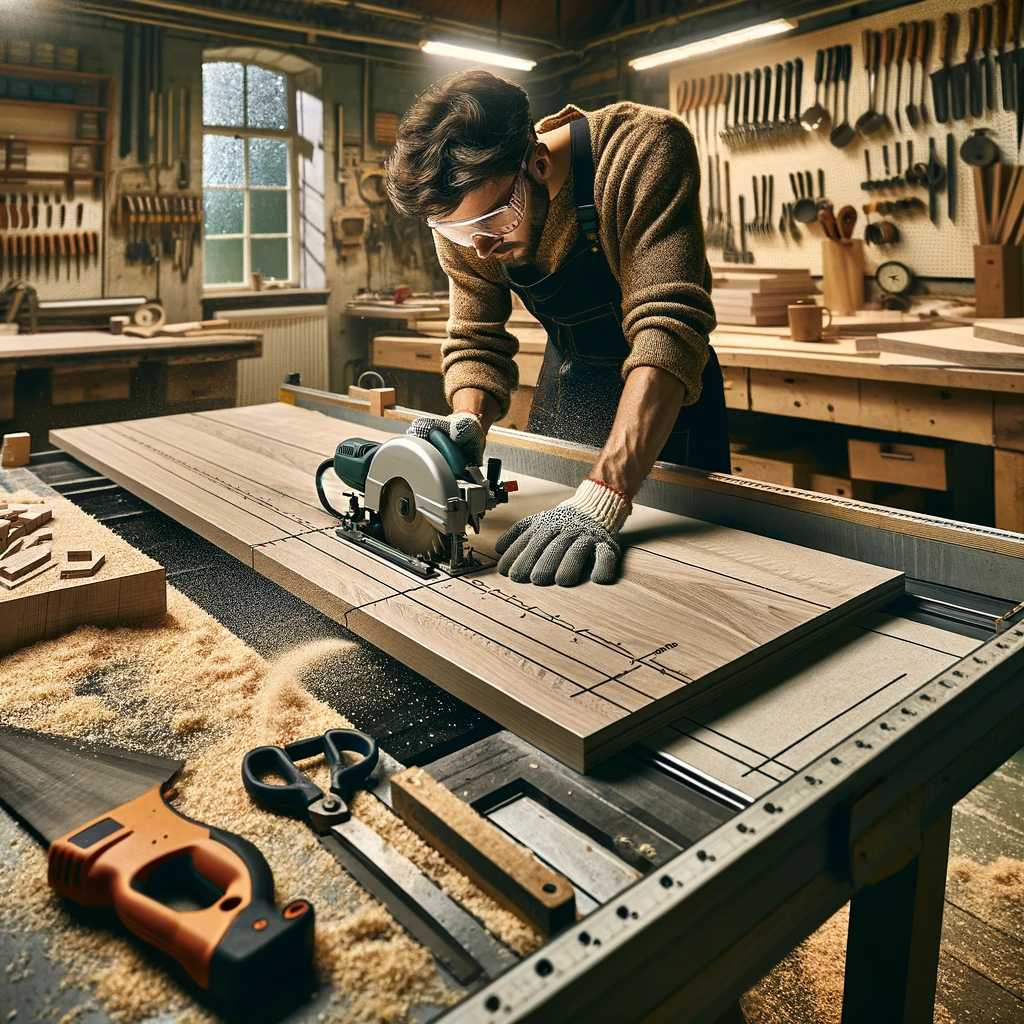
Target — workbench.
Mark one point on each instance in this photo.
(73, 377)
(828, 382)
(825, 780)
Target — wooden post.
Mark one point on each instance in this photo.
(998, 280)
(892, 950)
(1009, 486)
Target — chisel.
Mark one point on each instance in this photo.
(972, 60)
(985, 43)
(951, 177)
(941, 77)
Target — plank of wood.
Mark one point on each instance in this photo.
(26, 577)
(1008, 332)
(23, 562)
(506, 871)
(950, 345)
(57, 344)
(736, 384)
(698, 605)
(1009, 477)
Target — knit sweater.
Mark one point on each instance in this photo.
(646, 192)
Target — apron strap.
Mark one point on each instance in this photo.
(583, 179)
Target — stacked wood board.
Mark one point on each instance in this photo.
(580, 672)
(1008, 332)
(125, 587)
(758, 298)
(952, 346)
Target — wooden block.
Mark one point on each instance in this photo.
(914, 465)
(69, 387)
(15, 450)
(16, 530)
(5, 526)
(1009, 331)
(39, 536)
(23, 562)
(195, 382)
(407, 353)
(12, 511)
(736, 382)
(27, 578)
(77, 568)
(952, 345)
(13, 548)
(79, 555)
(998, 280)
(1008, 422)
(788, 469)
(35, 517)
(509, 873)
(1009, 488)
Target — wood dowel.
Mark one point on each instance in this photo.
(982, 206)
(995, 199)
(1012, 209)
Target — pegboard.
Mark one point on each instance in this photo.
(944, 250)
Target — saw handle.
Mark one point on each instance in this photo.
(452, 453)
(238, 946)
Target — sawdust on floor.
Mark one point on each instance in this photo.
(73, 528)
(185, 687)
(808, 985)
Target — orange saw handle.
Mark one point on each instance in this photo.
(238, 947)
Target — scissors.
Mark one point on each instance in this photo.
(425, 911)
(300, 796)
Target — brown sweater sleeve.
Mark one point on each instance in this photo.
(478, 352)
(647, 195)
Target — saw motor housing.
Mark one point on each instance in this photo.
(450, 494)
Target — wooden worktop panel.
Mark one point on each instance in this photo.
(580, 672)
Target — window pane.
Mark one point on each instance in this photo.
(222, 94)
(268, 162)
(268, 98)
(269, 257)
(222, 261)
(222, 160)
(223, 210)
(268, 213)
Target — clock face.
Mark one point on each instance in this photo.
(894, 278)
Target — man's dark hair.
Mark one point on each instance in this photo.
(465, 130)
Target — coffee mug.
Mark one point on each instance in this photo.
(805, 321)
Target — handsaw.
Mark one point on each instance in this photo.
(113, 840)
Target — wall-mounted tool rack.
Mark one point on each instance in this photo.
(856, 108)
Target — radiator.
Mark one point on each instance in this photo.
(294, 341)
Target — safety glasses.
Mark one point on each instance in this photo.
(495, 224)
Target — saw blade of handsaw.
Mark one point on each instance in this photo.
(405, 527)
(53, 784)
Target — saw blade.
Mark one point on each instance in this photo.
(53, 784)
(405, 527)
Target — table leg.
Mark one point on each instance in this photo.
(1009, 475)
(892, 952)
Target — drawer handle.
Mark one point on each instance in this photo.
(424, 355)
(905, 456)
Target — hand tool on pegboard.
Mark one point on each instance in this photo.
(1018, 67)
(985, 44)
(951, 177)
(942, 78)
(935, 176)
(901, 53)
(889, 52)
(871, 121)
(973, 63)
(127, 77)
(114, 840)
(925, 38)
(843, 133)
(432, 917)
(913, 41)
(816, 116)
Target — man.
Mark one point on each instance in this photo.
(594, 221)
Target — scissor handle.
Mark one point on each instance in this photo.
(294, 797)
(333, 744)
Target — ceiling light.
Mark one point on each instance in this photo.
(502, 60)
(705, 46)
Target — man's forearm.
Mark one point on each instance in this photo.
(645, 417)
(483, 403)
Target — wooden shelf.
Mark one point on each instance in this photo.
(10, 175)
(50, 140)
(6, 101)
(30, 71)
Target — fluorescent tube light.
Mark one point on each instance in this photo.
(502, 60)
(705, 46)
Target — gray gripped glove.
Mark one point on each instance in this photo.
(464, 428)
(558, 546)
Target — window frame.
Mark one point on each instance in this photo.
(289, 135)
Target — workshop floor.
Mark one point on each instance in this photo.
(982, 968)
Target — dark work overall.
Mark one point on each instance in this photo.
(580, 306)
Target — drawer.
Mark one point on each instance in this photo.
(193, 382)
(913, 465)
(69, 387)
(785, 468)
(408, 353)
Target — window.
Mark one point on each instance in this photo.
(249, 157)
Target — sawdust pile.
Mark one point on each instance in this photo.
(185, 687)
(73, 528)
(808, 984)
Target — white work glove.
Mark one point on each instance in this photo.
(464, 428)
(558, 546)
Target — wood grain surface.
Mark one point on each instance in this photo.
(579, 672)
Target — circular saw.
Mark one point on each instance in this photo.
(419, 498)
